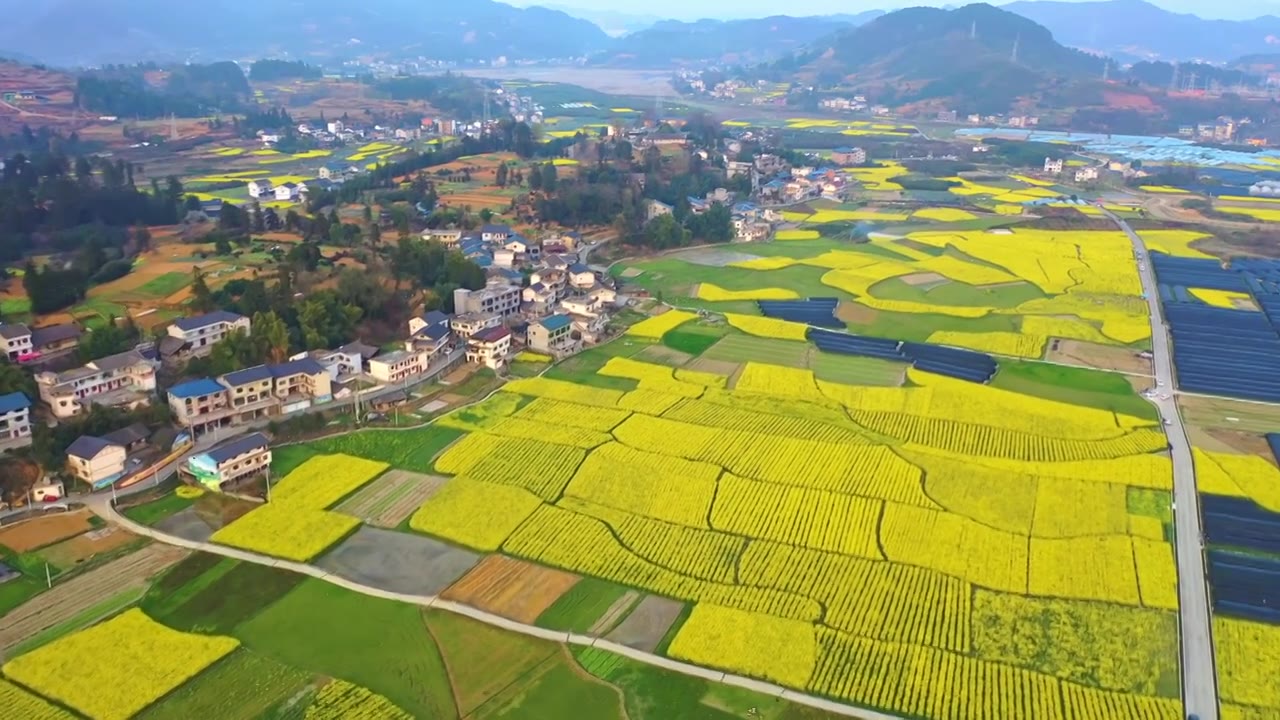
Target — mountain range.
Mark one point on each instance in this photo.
(672, 42)
(979, 57)
(1132, 30)
(74, 32)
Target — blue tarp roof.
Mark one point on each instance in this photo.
(13, 401)
(196, 388)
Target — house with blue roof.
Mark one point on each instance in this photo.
(15, 421)
(231, 462)
(552, 335)
(251, 394)
(199, 334)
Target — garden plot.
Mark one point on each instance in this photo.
(398, 562)
(715, 257)
(69, 553)
(392, 498)
(67, 600)
(511, 588)
(648, 623)
(39, 532)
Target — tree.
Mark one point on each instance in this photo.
(222, 246)
(549, 177)
(501, 175)
(201, 297)
(110, 339)
(233, 352)
(259, 220)
(14, 379)
(142, 238)
(486, 215)
(535, 178)
(272, 336)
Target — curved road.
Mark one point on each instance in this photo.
(1199, 680)
(101, 505)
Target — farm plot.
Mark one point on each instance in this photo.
(819, 528)
(70, 553)
(392, 498)
(398, 561)
(124, 665)
(648, 623)
(242, 686)
(67, 600)
(47, 530)
(511, 588)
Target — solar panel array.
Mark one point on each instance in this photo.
(819, 312)
(962, 364)
(1220, 351)
(1243, 585)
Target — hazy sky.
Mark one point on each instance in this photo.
(691, 9)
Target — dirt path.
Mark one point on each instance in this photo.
(74, 596)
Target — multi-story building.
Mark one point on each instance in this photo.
(126, 380)
(15, 342)
(552, 335)
(55, 339)
(581, 277)
(96, 461)
(468, 324)
(430, 334)
(15, 421)
(490, 347)
(237, 460)
(399, 366)
(251, 394)
(344, 362)
(1052, 166)
(848, 157)
(495, 233)
(200, 333)
(498, 296)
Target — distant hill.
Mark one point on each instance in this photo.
(614, 22)
(1136, 30)
(73, 32)
(673, 43)
(966, 55)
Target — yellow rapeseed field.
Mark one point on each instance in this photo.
(748, 644)
(768, 327)
(659, 325)
(715, 293)
(1220, 298)
(476, 514)
(797, 234)
(1013, 344)
(22, 704)
(340, 700)
(121, 665)
(1247, 654)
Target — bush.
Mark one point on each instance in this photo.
(112, 271)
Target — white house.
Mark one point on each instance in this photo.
(15, 341)
(1086, 174)
(1052, 166)
(233, 461)
(260, 188)
(288, 191)
(495, 233)
(201, 332)
(125, 380)
(96, 461)
(15, 421)
(581, 277)
(490, 347)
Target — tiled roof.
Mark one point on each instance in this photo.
(88, 447)
(196, 388)
(238, 447)
(199, 321)
(13, 401)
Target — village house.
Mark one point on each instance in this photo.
(231, 462)
(96, 461)
(552, 335)
(495, 233)
(16, 343)
(260, 188)
(399, 366)
(504, 258)
(656, 209)
(342, 363)
(288, 192)
(15, 421)
(132, 438)
(849, 157)
(55, 339)
(125, 380)
(468, 324)
(581, 277)
(431, 334)
(251, 394)
(537, 297)
(582, 305)
(449, 238)
(591, 328)
(490, 347)
(200, 333)
(1052, 166)
(498, 296)
(1086, 174)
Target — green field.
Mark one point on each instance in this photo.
(948, 292)
(242, 686)
(407, 449)
(229, 598)
(578, 609)
(748, 348)
(165, 285)
(694, 339)
(379, 644)
(159, 509)
(852, 370)
(1080, 386)
(287, 457)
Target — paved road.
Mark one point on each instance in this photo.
(101, 506)
(1199, 681)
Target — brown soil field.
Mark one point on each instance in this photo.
(39, 532)
(852, 312)
(716, 367)
(391, 498)
(477, 201)
(1243, 442)
(511, 588)
(68, 599)
(926, 278)
(70, 553)
(647, 624)
(1103, 357)
(664, 356)
(1229, 414)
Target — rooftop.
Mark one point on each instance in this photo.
(200, 321)
(55, 333)
(238, 447)
(12, 402)
(555, 322)
(493, 334)
(88, 447)
(196, 388)
(13, 331)
(128, 435)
